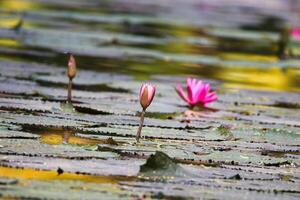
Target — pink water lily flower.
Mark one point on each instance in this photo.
(198, 93)
(295, 32)
(147, 93)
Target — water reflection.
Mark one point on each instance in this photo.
(18, 5)
(32, 174)
(56, 137)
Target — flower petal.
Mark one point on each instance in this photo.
(182, 94)
(144, 98)
(211, 97)
(142, 89)
(201, 94)
(198, 90)
(189, 89)
(151, 92)
(207, 88)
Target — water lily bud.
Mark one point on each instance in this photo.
(147, 93)
(71, 67)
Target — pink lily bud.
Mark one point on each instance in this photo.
(71, 72)
(71, 67)
(198, 93)
(147, 93)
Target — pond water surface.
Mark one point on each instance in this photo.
(245, 146)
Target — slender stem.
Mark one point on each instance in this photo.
(70, 90)
(138, 134)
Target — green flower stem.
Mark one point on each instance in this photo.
(138, 135)
(70, 90)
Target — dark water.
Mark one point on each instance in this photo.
(236, 42)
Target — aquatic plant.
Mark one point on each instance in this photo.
(147, 93)
(198, 93)
(71, 72)
(295, 32)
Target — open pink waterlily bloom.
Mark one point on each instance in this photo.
(295, 33)
(198, 93)
(147, 93)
